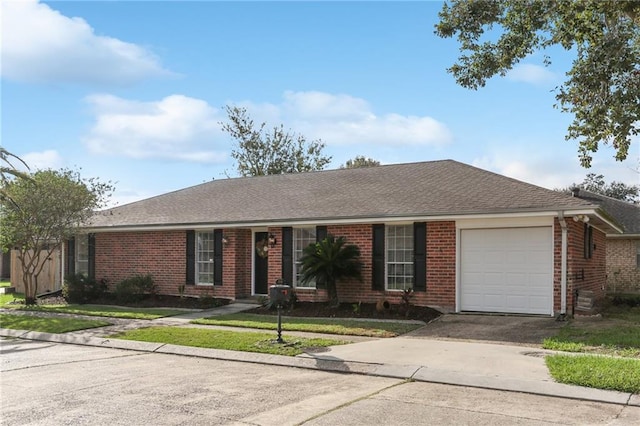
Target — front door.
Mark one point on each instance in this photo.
(260, 264)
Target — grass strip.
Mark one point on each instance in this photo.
(49, 324)
(229, 340)
(601, 372)
(107, 311)
(348, 327)
(620, 340)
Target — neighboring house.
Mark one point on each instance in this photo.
(623, 249)
(463, 238)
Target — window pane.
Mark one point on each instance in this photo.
(302, 237)
(204, 257)
(82, 254)
(399, 243)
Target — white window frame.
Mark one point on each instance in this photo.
(302, 237)
(82, 254)
(403, 257)
(206, 260)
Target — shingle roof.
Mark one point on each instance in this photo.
(434, 188)
(626, 214)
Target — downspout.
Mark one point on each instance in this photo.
(563, 266)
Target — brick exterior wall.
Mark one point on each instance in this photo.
(585, 274)
(441, 257)
(120, 255)
(623, 273)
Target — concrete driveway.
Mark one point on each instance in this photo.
(510, 329)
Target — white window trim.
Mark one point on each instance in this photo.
(77, 260)
(197, 259)
(386, 257)
(295, 248)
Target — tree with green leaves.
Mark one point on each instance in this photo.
(8, 171)
(47, 209)
(260, 151)
(602, 89)
(618, 190)
(360, 161)
(329, 261)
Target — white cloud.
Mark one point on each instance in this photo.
(532, 74)
(176, 127)
(41, 45)
(550, 173)
(186, 128)
(346, 120)
(49, 159)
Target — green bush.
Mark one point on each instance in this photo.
(79, 288)
(135, 289)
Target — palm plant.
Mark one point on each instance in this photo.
(328, 261)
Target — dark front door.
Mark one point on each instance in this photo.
(261, 264)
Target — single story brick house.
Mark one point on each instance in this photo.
(464, 239)
(623, 249)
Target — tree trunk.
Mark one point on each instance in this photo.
(332, 291)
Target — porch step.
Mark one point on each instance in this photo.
(7, 290)
(585, 300)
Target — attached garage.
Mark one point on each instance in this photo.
(507, 270)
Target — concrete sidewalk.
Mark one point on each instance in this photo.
(475, 364)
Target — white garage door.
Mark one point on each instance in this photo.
(507, 270)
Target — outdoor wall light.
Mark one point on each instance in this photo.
(272, 240)
(581, 218)
(225, 240)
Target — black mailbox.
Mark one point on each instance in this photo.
(279, 294)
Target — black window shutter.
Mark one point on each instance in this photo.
(378, 257)
(191, 257)
(92, 255)
(217, 257)
(287, 255)
(420, 256)
(71, 256)
(321, 233)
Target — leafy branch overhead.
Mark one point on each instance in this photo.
(602, 89)
(260, 151)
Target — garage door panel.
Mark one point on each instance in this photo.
(507, 270)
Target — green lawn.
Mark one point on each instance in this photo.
(223, 339)
(108, 311)
(6, 298)
(615, 341)
(621, 374)
(47, 325)
(616, 334)
(314, 325)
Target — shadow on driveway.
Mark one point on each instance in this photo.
(510, 329)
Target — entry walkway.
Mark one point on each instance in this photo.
(465, 363)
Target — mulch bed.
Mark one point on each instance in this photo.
(299, 309)
(353, 310)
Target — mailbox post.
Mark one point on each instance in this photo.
(279, 295)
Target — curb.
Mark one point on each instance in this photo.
(308, 361)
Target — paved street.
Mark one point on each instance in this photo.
(45, 383)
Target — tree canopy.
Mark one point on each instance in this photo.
(360, 161)
(8, 170)
(260, 151)
(602, 89)
(618, 190)
(45, 210)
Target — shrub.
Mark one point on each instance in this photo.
(135, 288)
(79, 288)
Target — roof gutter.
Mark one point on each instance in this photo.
(563, 265)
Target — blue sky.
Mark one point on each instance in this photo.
(133, 92)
